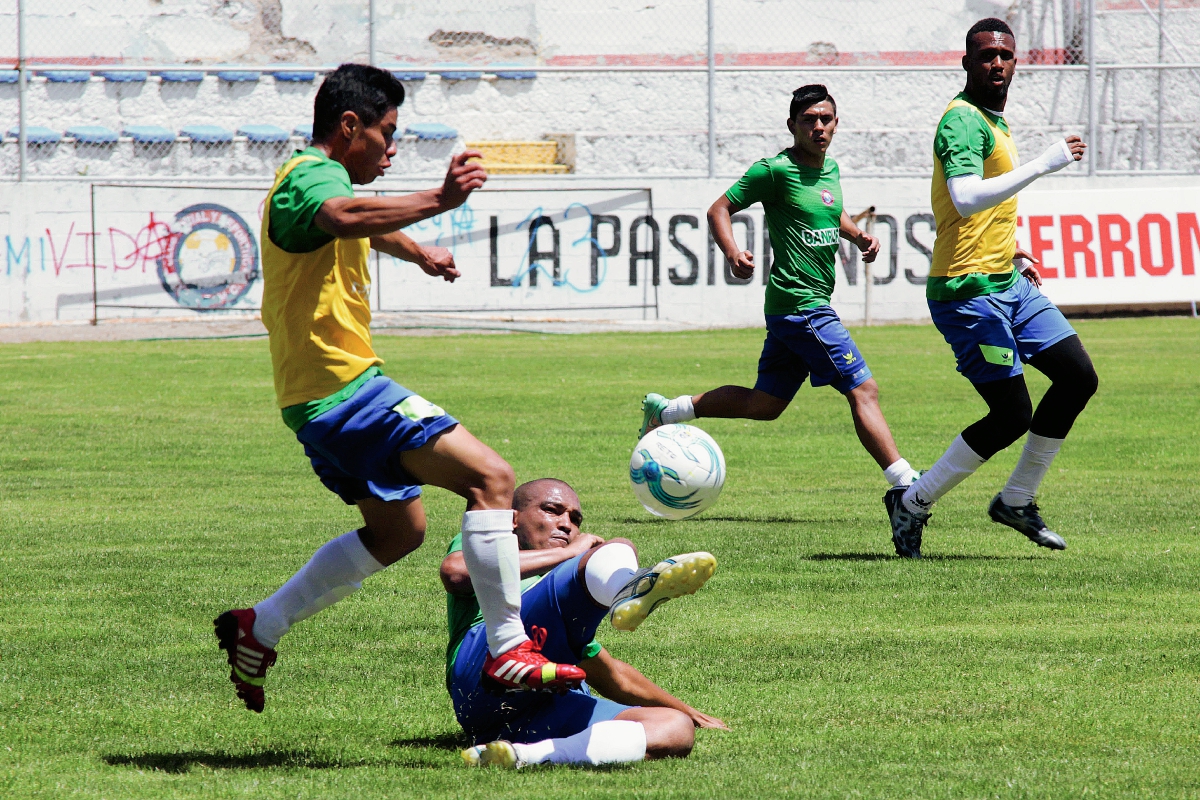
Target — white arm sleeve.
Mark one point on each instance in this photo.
(972, 194)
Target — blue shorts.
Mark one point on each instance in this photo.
(811, 341)
(561, 604)
(986, 332)
(353, 446)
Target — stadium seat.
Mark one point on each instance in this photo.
(65, 75)
(239, 76)
(457, 72)
(148, 134)
(263, 133)
(37, 134)
(181, 76)
(93, 134)
(512, 72)
(303, 131)
(120, 76)
(430, 131)
(9, 76)
(408, 75)
(288, 76)
(206, 134)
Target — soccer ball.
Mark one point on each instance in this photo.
(676, 471)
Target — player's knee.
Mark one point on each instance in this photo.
(865, 394)
(671, 735)
(494, 482)
(1087, 382)
(766, 407)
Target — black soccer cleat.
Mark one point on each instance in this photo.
(906, 525)
(1028, 520)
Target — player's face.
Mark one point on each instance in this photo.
(990, 63)
(813, 128)
(551, 520)
(371, 149)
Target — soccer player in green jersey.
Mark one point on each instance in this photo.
(991, 316)
(801, 193)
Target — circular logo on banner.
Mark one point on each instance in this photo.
(212, 260)
(827, 197)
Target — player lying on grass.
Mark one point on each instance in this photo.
(370, 440)
(992, 317)
(801, 194)
(585, 579)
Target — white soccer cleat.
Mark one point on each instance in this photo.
(653, 586)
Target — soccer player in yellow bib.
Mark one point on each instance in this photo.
(370, 440)
(984, 298)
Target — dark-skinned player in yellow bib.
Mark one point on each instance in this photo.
(800, 191)
(370, 440)
(984, 298)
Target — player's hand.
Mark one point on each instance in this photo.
(462, 178)
(869, 245)
(585, 542)
(702, 720)
(1024, 263)
(1076, 146)
(439, 262)
(742, 265)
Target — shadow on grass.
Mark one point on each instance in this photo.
(443, 741)
(183, 762)
(889, 557)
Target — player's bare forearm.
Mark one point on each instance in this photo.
(457, 581)
(399, 246)
(865, 242)
(719, 223)
(360, 217)
(624, 683)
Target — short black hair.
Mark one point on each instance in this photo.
(989, 25)
(810, 95)
(367, 91)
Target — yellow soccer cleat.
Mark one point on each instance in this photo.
(651, 587)
(501, 754)
(471, 756)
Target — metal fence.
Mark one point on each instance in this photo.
(1124, 70)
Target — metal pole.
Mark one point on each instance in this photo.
(1161, 41)
(371, 32)
(712, 104)
(22, 83)
(1093, 110)
(867, 279)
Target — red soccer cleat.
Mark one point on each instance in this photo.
(249, 659)
(524, 668)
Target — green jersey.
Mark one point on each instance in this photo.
(462, 614)
(300, 195)
(803, 208)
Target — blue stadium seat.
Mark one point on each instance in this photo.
(121, 76)
(287, 76)
(430, 131)
(207, 134)
(408, 75)
(181, 76)
(9, 76)
(93, 134)
(263, 133)
(457, 71)
(65, 75)
(512, 72)
(303, 131)
(148, 134)
(37, 134)
(239, 76)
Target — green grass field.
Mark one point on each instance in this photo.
(145, 487)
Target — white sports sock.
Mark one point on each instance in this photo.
(1031, 468)
(678, 410)
(616, 741)
(608, 569)
(336, 570)
(956, 465)
(494, 564)
(900, 473)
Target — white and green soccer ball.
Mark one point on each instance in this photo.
(676, 471)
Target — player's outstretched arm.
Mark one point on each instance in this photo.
(360, 217)
(740, 261)
(435, 261)
(973, 193)
(623, 683)
(865, 242)
(533, 562)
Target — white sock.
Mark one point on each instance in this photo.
(900, 473)
(616, 741)
(678, 410)
(494, 564)
(336, 570)
(1031, 468)
(956, 465)
(609, 568)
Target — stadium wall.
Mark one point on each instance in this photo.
(633, 251)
